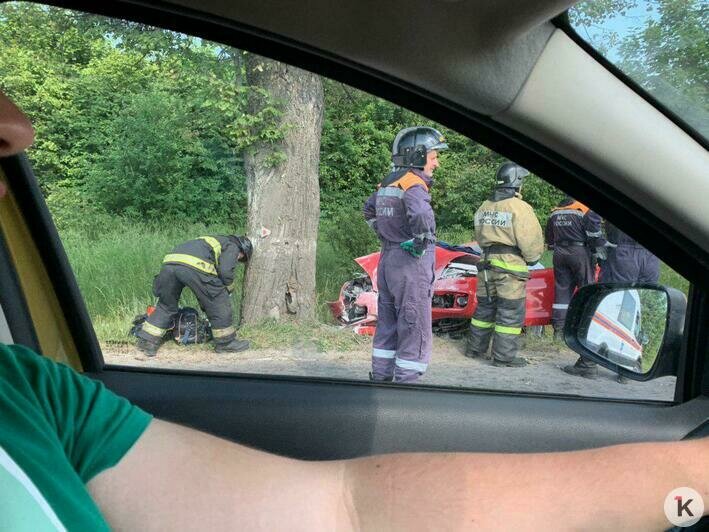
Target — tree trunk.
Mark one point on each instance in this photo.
(283, 195)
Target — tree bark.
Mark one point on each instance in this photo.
(283, 199)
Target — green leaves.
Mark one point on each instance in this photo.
(152, 125)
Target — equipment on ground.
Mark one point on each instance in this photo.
(190, 327)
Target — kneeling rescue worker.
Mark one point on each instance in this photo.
(400, 213)
(511, 239)
(207, 266)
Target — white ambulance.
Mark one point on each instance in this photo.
(614, 331)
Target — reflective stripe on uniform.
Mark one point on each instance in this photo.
(568, 211)
(391, 191)
(152, 330)
(508, 330)
(482, 324)
(508, 266)
(428, 236)
(371, 222)
(410, 364)
(201, 264)
(221, 333)
(215, 245)
(594, 234)
(560, 306)
(383, 353)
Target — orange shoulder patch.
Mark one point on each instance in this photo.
(409, 180)
(575, 206)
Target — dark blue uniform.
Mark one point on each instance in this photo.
(572, 232)
(399, 211)
(629, 261)
(206, 265)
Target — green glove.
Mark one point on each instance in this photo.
(409, 246)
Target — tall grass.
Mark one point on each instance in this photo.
(115, 270)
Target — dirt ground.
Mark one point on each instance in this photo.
(448, 368)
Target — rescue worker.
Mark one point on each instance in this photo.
(574, 233)
(400, 213)
(206, 265)
(511, 239)
(625, 261)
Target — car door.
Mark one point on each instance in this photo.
(315, 417)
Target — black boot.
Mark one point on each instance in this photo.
(234, 346)
(516, 362)
(148, 347)
(470, 352)
(559, 335)
(581, 368)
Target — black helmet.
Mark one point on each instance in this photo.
(412, 143)
(510, 175)
(244, 245)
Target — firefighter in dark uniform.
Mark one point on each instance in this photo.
(207, 266)
(511, 239)
(627, 261)
(400, 213)
(573, 232)
(624, 261)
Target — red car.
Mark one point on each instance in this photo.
(454, 298)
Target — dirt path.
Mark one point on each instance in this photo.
(448, 368)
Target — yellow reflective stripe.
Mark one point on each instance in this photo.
(152, 330)
(508, 330)
(508, 266)
(230, 288)
(200, 264)
(215, 245)
(221, 333)
(482, 324)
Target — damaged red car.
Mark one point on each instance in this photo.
(454, 288)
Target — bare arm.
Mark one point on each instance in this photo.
(613, 488)
(177, 478)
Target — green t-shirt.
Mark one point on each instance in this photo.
(58, 430)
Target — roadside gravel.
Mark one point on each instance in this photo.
(448, 368)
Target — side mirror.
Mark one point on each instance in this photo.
(633, 329)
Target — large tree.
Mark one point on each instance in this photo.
(283, 193)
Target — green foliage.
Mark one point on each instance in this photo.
(652, 325)
(661, 44)
(348, 234)
(74, 213)
(156, 166)
(141, 133)
(144, 123)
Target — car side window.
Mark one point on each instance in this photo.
(214, 207)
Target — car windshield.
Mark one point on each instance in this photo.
(663, 45)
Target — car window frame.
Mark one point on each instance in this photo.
(543, 161)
